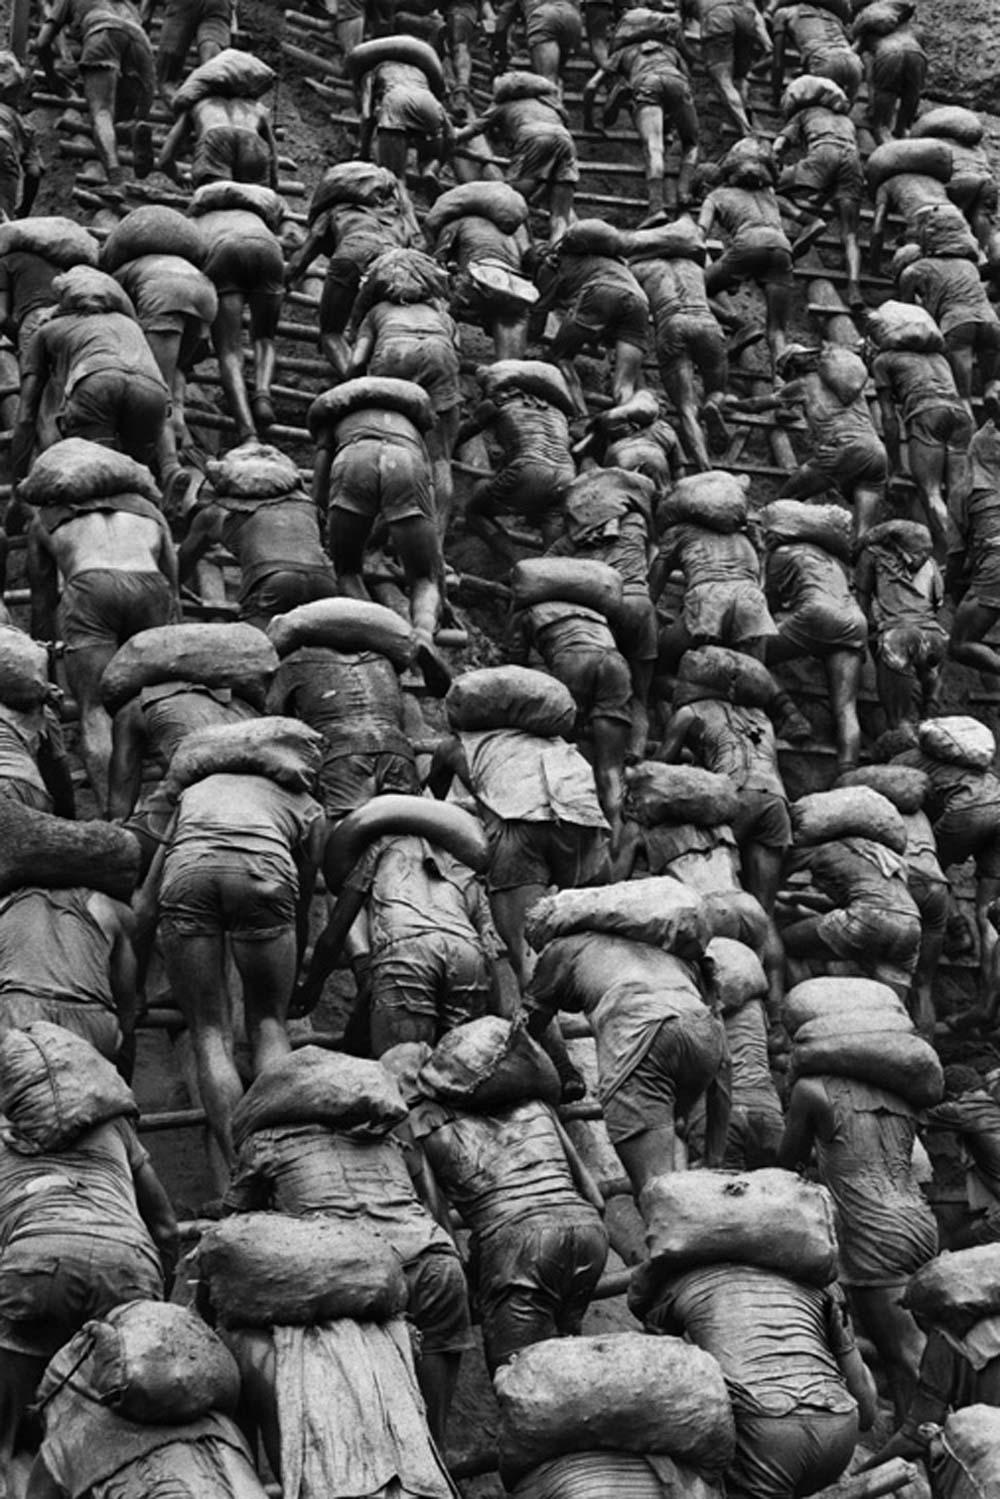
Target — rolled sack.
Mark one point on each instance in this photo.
(396, 815)
(345, 625)
(235, 655)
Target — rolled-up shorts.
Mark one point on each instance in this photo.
(729, 34)
(423, 986)
(727, 613)
(637, 628)
(827, 172)
(768, 265)
(230, 155)
(52, 1283)
(671, 1075)
(885, 944)
(529, 487)
(117, 407)
(665, 89)
(91, 1021)
(373, 478)
(202, 899)
(536, 1279)
(818, 628)
(251, 266)
(124, 50)
(567, 854)
(971, 833)
(781, 1456)
(415, 111)
(546, 156)
(556, 21)
(911, 649)
(177, 304)
(973, 193)
(284, 590)
(982, 337)
(607, 314)
(696, 337)
(599, 681)
(898, 72)
(340, 288)
(932, 899)
(852, 464)
(348, 781)
(104, 607)
(762, 818)
(438, 1303)
(950, 425)
(210, 21)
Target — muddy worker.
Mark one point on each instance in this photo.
(34, 767)
(636, 438)
(91, 360)
(895, 69)
(119, 575)
(902, 593)
(21, 167)
(553, 30)
(649, 61)
(229, 129)
(904, 194)
(972, 574)
(970, 1111)
(690, 343)
(527, 118)
(733, 38)
(398, 90)
(116, 65)
(535, 1213)
(208, 24)
(274, 536)
(951, 291)
(822, 43)
(245, 263)
(27, 275)
(829, 168)
(484, 248)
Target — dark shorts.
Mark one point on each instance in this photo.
(971, 833)
(461, 19)
(933, 901)
(819, 628)
(911, 649)
(762, 818)
(348, 781)
(284, 590)
(201, 900)
(530, 487)
(779, 1456)
(727, 613)
(983, 338)
(178, 304)
(898, 73)
(556, 21)
(415, 111)
(637, 628)
(605, 314)
(950, 425)
(438, 1302)
(883, 944)
(753, 1138)
(423, 986)
(827, 172)
(127, 52)
(432, 363)
(667, 90)
(768, 265)
(52, 1283)
(599, 681)
(669, 1078)
(974, 194)
(854, 464)
(184, 21)
(696, 337)
(565, 854)
(251, 266)
(729, 35)
(536, 1279)
(119, 409)
(230, 155)
(547, 156)
(104, 607)
(373, 478)
(340, 288)
(91, 1021)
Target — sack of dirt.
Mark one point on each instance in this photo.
(62, 242)
(365, 56)
(924, 158)
(809, 91)
(360, 183)
(530, 377)
(267, 1268)
(510, 697)
(601, 1473)
(950, 122)
(284, 750)
(956, 1290)
(253, 471)
(152, 229)
(622, 1392)
(717, 500)
(498, 202)
(942, 231)
(681, 240)
(727, 674)
(769, 1218)
(969, 1463)
(381, 392)
(38, 848)
(906, 1065)
(54, 1087)
(160, 1365)
(738, 975)
(236, 656)
(787, 522)
(641, 24)
(238, 197)
(958, 740)
(90, 292)
(230, 74)
(73, 471)
(567, 580)
(510, 87)
(488, 1065)
(858, 1022)
(904, 326)
(881, 19)
(591, 237)
(400, 275)
(847, 812)
(24, 669)
(346, 625)
(396, 814)
(658, 793)
(839, 8)
(316, 1086)
(843, 372)
(662, 912)
(903, 785)
(829, 997)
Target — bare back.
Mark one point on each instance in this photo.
(111, 541)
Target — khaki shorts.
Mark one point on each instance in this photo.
(566, 854)
(727, 613)
(423, 986)
(104, 607)
(372, 478)
(684, 1057)
(438, 1303)
(201, 900)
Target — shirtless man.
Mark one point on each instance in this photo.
(233, 141)
(116, 63)
(528, 119)
(829, 170)
(119, 576)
